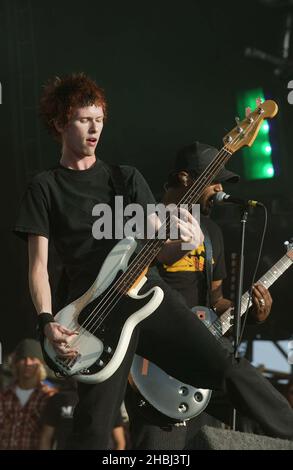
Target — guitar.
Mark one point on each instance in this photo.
(106, 315)
(156, 391)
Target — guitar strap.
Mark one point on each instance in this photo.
(208, 263)
(118, 181)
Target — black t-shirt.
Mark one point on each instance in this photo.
(188, 275)
(59, 414)
(58, 205)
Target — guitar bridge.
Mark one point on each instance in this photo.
(67, 364)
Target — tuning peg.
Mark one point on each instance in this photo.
(291, 240)
(247, 115)
(258, 101)
(247, 111)
(258, 104)
(239, 128)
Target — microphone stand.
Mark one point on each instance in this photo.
(237, 308)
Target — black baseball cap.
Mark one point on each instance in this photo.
(196, 157)
(28, 348)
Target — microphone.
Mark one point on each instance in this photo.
(222, 197)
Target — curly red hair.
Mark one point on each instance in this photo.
(61, 96)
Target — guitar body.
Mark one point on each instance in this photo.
(159, 393)
(103, 336)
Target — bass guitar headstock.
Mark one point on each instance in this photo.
(244, 134)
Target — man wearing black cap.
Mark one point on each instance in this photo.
(188, 277)
(22, 404)
(190, 162)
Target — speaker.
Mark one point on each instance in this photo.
(220, 439)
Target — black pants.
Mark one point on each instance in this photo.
(179, 343)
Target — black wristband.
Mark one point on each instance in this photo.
(43, 319)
